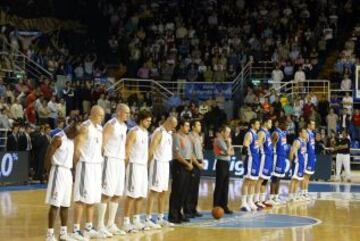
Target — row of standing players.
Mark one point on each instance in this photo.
(266, 157)
(111, 162)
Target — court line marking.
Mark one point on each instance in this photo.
(301, 225)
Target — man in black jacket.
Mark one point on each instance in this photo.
(13, 139)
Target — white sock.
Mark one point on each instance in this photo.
(277, 196)
(63, 230)
(112, 213)
(250, 198)
(88, 226)
(76, 227)
(148, 217)
(126, 220)
(50, 232)
(160, 216)
(101, 214)
(243, 200)
(136, 218)
(256, 197)
(263, 197)
(272, 196)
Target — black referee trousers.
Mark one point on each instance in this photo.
(221, 184)
(193, 192)
(179, 189)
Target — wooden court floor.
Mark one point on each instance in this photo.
(23, 216)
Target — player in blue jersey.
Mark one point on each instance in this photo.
(310, 160)
(280, 157)
(251, 165)
(266, 163)
(297, 155)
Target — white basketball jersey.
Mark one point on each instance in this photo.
(63, 156)
(139, 150)
(115, 146)
(163, 152)
(91, 149)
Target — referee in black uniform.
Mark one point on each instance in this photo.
(181, 172)
(198, 165)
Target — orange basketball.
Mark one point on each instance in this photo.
(217, 212)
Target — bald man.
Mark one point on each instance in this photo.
(160, 154)
(113, 175)
(88, 162)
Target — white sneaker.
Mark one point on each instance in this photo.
(79, 236)
(270, 202)
(245, 208)
(129, 228)
(139, 226)
(66, 237)
(164, 223)
(278, 201)
(306, 197)
(152, 225)
(253, 206)
(93, 234)
(50, 238)
(105, 232)
(115, 230)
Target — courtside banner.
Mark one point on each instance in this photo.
(14, 167)
(236, 165)
(207, 91)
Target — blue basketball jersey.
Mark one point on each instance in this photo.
(253, 149)
(311, 145)
(267, 145)
(301, 152)
(281, 144)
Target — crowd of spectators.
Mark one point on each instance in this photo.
(169, 40)
(210, 40)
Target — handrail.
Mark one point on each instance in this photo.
(29, 60)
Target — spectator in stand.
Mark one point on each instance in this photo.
(300, 79)
(347, 103)
(30, 114)
(277, 76)
(203, 108)
(186, 113)
(331, 121)
(17, 110)
(356, 124)
(250, 98)
(69, 96)
(53, 111)
(346, 83)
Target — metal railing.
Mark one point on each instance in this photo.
(22, 63)
(293, 88)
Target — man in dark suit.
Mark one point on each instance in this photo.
(41, 142)
(12, 140)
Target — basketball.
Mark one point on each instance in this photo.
(217, 212)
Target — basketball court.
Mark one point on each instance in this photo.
(333, 215)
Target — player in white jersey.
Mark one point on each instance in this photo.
(160, 155)
(58, 195)
(113, 176)
(88, 162)
(136, 184)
